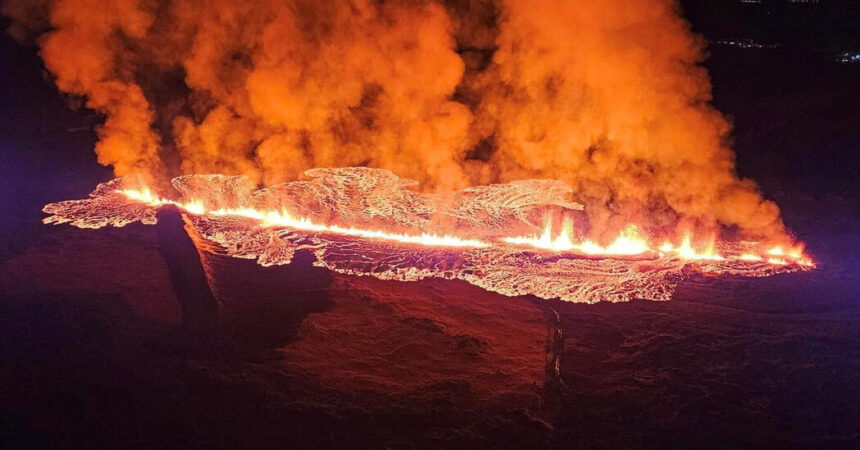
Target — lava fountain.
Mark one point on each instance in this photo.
(364, 221)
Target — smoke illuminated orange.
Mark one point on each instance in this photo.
(609, 97)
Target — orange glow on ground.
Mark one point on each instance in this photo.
(629, 241)
(284, 219)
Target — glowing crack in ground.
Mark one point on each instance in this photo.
(364, 221)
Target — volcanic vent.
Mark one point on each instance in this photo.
(519, 238)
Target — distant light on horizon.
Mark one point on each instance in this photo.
(744, 43)
(789, 1)
(849, 57)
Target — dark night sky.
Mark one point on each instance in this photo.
(822, 25)
(40, 136)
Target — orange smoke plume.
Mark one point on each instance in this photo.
(606, 96)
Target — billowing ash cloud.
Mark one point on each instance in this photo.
(606, 96)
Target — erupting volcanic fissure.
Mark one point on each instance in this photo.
(609, 98)
(368, 222)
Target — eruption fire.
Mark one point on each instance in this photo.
(609, 99)
(283, 219)
(365, 221)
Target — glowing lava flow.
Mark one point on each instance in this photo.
(686, 250)
(357, 221)
(777, 255)
(630, 242)
(284, 219)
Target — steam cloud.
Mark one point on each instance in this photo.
(606, 96)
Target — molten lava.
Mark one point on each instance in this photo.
(365, 221)
(628, 242)
(284, 219)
